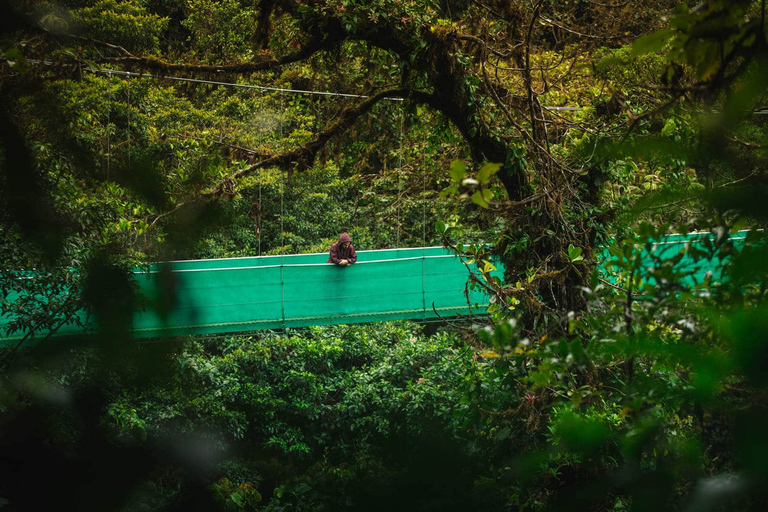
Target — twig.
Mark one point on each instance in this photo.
(555, 24)
(636, 119)
(160, 216)
(514, 204)
(103, 43)
(616, 6)
(479, 41)
(441, 317)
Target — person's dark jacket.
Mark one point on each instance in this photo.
(339, 253)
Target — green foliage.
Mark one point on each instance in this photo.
(242, 497)
(220, 31)
(126, 23)
(330, 391)
(38, 303)
(315, 419)
(463, 186)
(736, 29)
(645, 378)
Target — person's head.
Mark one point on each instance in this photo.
(344, 240)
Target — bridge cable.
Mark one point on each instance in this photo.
(128, 90)
(109, 123)
(277, 89)
(261, 178)
(423, 242)
(399, 173)
(282, 218)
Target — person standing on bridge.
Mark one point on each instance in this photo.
(343, 252)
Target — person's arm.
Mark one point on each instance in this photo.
(352, 254)
(334, 257)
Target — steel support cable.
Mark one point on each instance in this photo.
(299, 265)
(258, 225)
(214, 82)
(267, 88)
(109, 124)
(261, 177)
(282, 225)
(231, 84)
(323, 263)
(297, 319)
(128, 88)
(423, 240)
(399, 173)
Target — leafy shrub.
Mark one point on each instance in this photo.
(125, 23)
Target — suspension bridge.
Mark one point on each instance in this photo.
(287, 291)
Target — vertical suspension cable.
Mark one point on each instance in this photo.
(109, 122)
(282, 217)
(258, 227)
(129, 120)
(423, 241)
(399, 174)
(282, 185)
(282, 246)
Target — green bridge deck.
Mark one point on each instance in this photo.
(268, 292)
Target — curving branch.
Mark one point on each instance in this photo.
(480, 42)
(314, 46)
(574, 32)
(303, 157)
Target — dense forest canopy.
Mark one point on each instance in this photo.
(547, 134)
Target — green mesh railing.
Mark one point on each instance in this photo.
(294, 291)
(269, 292)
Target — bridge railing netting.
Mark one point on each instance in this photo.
(269, 292)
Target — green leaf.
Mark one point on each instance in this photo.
(458, 170)
(13, 54)
(478, 199)
(486, 171)
(669, 127)
(440, 226)
(574, 253)
(652, 42)
(92, 65)
(449, 191)
(709, 61)
(16, 60)
(609, 61)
